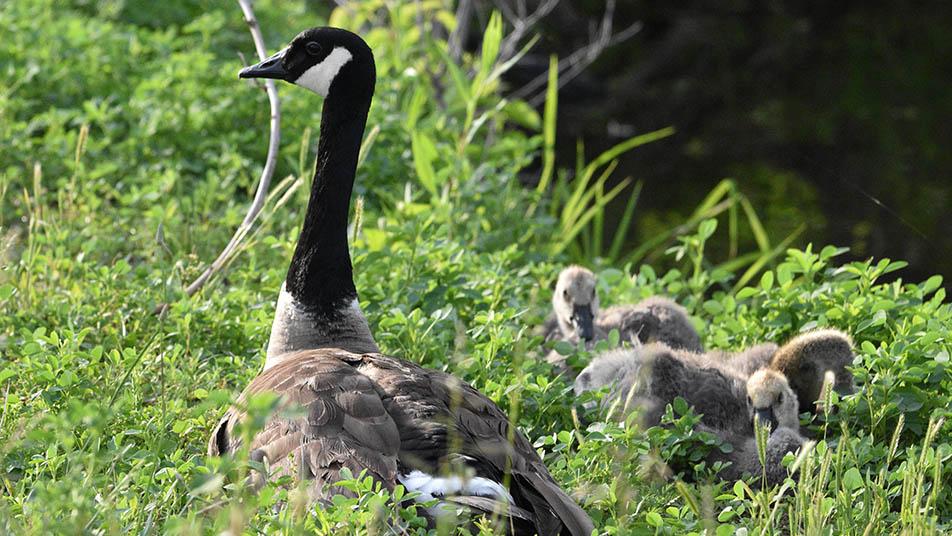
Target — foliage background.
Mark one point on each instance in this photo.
(128, 151)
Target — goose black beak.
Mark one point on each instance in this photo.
(272, 67)
(766, 417)
(584, 321)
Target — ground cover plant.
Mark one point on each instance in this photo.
(128, 151)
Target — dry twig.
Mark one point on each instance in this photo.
(458, 37)
(521, 22)
(572, 65)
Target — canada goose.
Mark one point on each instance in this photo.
(576, 316)
(648, 378)
(364, 411)
(809, 359)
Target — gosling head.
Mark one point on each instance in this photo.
(322, 60)
(771, 401)
(575, 302)
(815, 359)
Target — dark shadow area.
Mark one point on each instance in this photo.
(833, 114)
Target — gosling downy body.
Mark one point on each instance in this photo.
(814, 359)
(745, 462)
(808, 361)
(646, 379)
(744, 362)
(356, 408)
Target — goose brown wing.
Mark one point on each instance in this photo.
(331, 416)
(441, 418)
(382, 414)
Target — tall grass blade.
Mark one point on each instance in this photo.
(548, 125)
(624, 224)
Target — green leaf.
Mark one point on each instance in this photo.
(415, 107)
(459, 79)
(739, 489)
(520, 113)
(928, 287)
(725, 530)
(654, 519)
(6, 291)
(680, 406)
(6, 373)
(706, 229)
(548, 125)
(424, 153)
(492, 38)
(852, 479)
(713, 307)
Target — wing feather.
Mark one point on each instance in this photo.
(376, 413)
(332, 417)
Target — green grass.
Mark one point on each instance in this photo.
(128, 151)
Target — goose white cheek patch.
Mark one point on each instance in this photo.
(318, 78)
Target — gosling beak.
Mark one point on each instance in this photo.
(583, 320)
(272, 67)
(766, 417)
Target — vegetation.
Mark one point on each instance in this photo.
(129, 152)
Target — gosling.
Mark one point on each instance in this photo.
(577, 316)
(813, 360)
(773, 404)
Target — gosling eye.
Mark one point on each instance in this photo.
(749, 401)
(780, 398)
(593, 294)
(313, 48)
(565, 294)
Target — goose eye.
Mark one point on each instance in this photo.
(313, 48)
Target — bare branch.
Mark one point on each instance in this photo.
(457, 39)
(506, 10)
(270, 162)
(521, 24)
(572, 65)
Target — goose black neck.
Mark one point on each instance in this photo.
(320, 277)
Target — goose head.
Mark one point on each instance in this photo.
(575, 302)
(771, 401)
(322, 60)
(813, 360)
